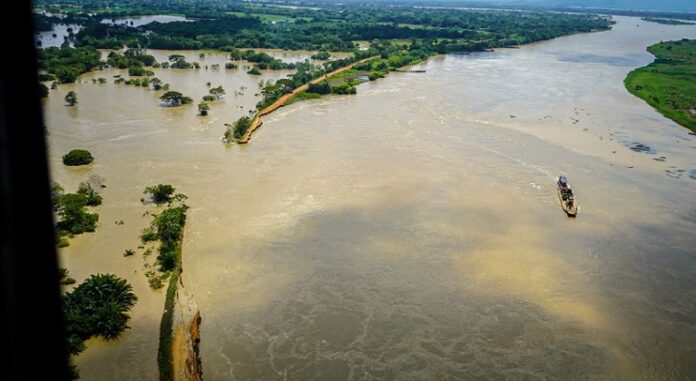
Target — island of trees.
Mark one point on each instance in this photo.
(77, 157)
(666, 21)
(72, 211)
(669, 83)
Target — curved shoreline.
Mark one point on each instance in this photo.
(280, 102)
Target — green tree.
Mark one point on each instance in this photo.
(175, 98)
(203, 108)
(74, 219)
(164, 193)
(71, 98)
(93, 198)
(217, 92)
(77, 157)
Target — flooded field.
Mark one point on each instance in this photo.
(412, 231)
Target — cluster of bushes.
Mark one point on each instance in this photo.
(139, 71)
(72, 213)
(164, 194)
(66, 63)
(321, 55)
(78, 157)
(133, 59)
(155, 82)
(213, 95)
(167, 226)
(236, 130)
(262, 60)
(319, 88)
(343, 89)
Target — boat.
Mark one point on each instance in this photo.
(566, 196)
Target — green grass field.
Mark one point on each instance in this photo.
(669, 83)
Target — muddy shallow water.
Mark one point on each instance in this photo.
(410, 232)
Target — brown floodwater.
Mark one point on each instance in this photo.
(410, 232)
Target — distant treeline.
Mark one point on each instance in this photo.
(226, 25)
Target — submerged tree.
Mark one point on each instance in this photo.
(156, 83)
(175, 98)
(77, 157)
(71, 98)
(217, 92)
(203, 108)
(237, 130)
(164, 193)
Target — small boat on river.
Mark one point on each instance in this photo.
(567, 197)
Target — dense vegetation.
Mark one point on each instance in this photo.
(236, 130)
(203, 108)
(164, 194)
(669, 83)
(666, 21)
(68, 63)
(167, 227)
(236, 24)
(97, 307)
(72, 213)
(77, 157)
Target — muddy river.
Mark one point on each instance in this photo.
(410, 232)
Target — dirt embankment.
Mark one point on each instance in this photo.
(185, 343)
(256, 122)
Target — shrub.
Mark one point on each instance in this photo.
(319, 88)
(203, 108)
(148, 235)
(164, 193)
(73, 215)
(65, 278)
(78, 157)
(93, 198)
(343, 88)
(321, 56)
(71, 98)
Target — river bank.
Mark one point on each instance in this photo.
(666, 84)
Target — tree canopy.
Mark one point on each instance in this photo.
(78, 157)
(175, 98)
